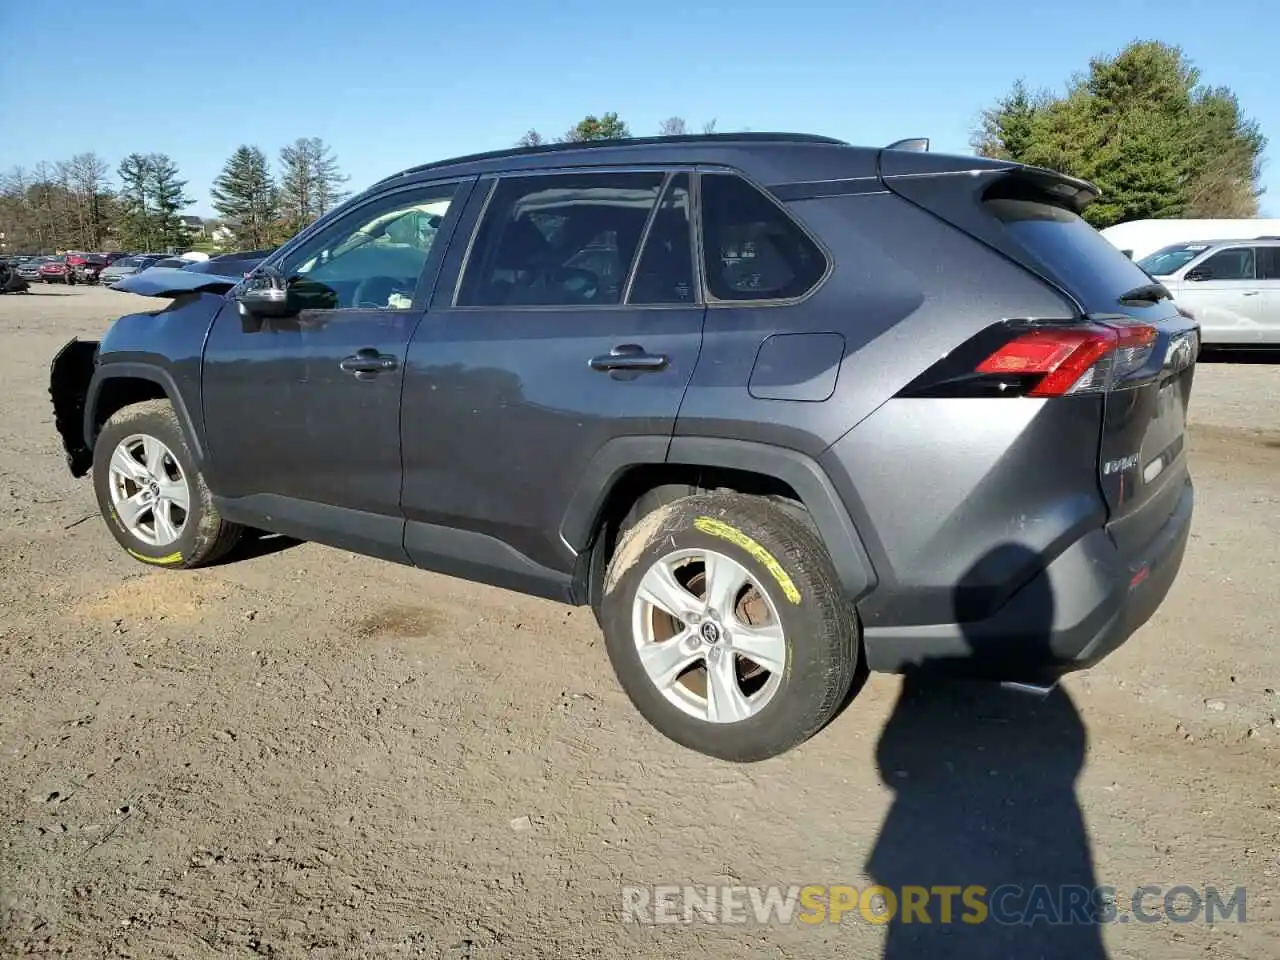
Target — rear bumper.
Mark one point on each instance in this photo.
(1078, 609)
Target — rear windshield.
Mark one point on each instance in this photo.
(129, 262)
(1093, 270)
(1171, 259)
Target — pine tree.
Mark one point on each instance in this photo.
(137, 229)
(246, 197)
(1142, 127)
(167, 197)
(310, 183)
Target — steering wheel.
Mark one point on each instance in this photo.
(375, 292)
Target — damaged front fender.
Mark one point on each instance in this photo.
(173, 282)
(69, 376)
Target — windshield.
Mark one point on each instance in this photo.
(128, 262)
(1168, 260)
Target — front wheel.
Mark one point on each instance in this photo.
(727, 626)
(151, 493)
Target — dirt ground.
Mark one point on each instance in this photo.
(309, 753)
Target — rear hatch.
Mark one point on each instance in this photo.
(1145, 378)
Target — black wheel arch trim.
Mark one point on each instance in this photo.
(797, 470)
(133, 370)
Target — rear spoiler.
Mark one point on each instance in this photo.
(1039, 183)
(994, 178)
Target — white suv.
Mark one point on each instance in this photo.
(1232, 287)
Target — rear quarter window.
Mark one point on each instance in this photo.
(751, 248)
(1077, 255)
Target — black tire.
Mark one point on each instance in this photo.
(204, 537)
(789, 563)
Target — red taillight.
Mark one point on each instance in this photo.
(1071, 360)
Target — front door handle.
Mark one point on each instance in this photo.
(630, 356)
(368, 363)
(1250, 293)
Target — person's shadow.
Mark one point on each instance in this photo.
(985, 797)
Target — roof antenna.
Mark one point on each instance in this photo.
(914, 144)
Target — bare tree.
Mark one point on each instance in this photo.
(709, 126)
(86, 180)
(673, 127)
(531, 138)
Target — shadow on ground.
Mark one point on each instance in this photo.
(260, 543)
(984, 784)
(1240, 355)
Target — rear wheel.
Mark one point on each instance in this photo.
(151, 493)
(727, 626)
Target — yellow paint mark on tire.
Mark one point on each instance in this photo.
(718, 528)
(167, 560)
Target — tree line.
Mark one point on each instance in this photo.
(82, 204)
(1141, 124)
(608, 126)
(73, 204)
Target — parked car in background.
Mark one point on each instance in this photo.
(175, 262)
(1138, 239)
(89, 267)
(1231, 287)
(30, 269)
(230, 264)
(127, 267)
(55, 270)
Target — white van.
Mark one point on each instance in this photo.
(1137, 238)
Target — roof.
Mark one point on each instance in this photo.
(1266, 241)
(709, 147)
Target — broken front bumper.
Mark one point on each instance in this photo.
(69, 377)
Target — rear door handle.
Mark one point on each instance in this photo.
(629, 356)
(367, 363)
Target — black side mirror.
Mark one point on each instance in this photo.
(264, 295)
(1198, 274)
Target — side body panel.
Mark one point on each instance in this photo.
(164, 347)
(504, 414)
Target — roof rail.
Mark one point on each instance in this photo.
(544, 148)
(915, 144)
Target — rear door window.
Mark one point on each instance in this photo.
(1269, 263)
(559, 239)
(664, 274)
(751, 248)
(1237, 263)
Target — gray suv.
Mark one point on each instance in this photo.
(1232, 287)
(775, 407)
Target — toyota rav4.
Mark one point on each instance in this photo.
(775, 407)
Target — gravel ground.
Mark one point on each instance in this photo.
(310, 753)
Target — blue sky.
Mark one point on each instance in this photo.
(392, 84)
